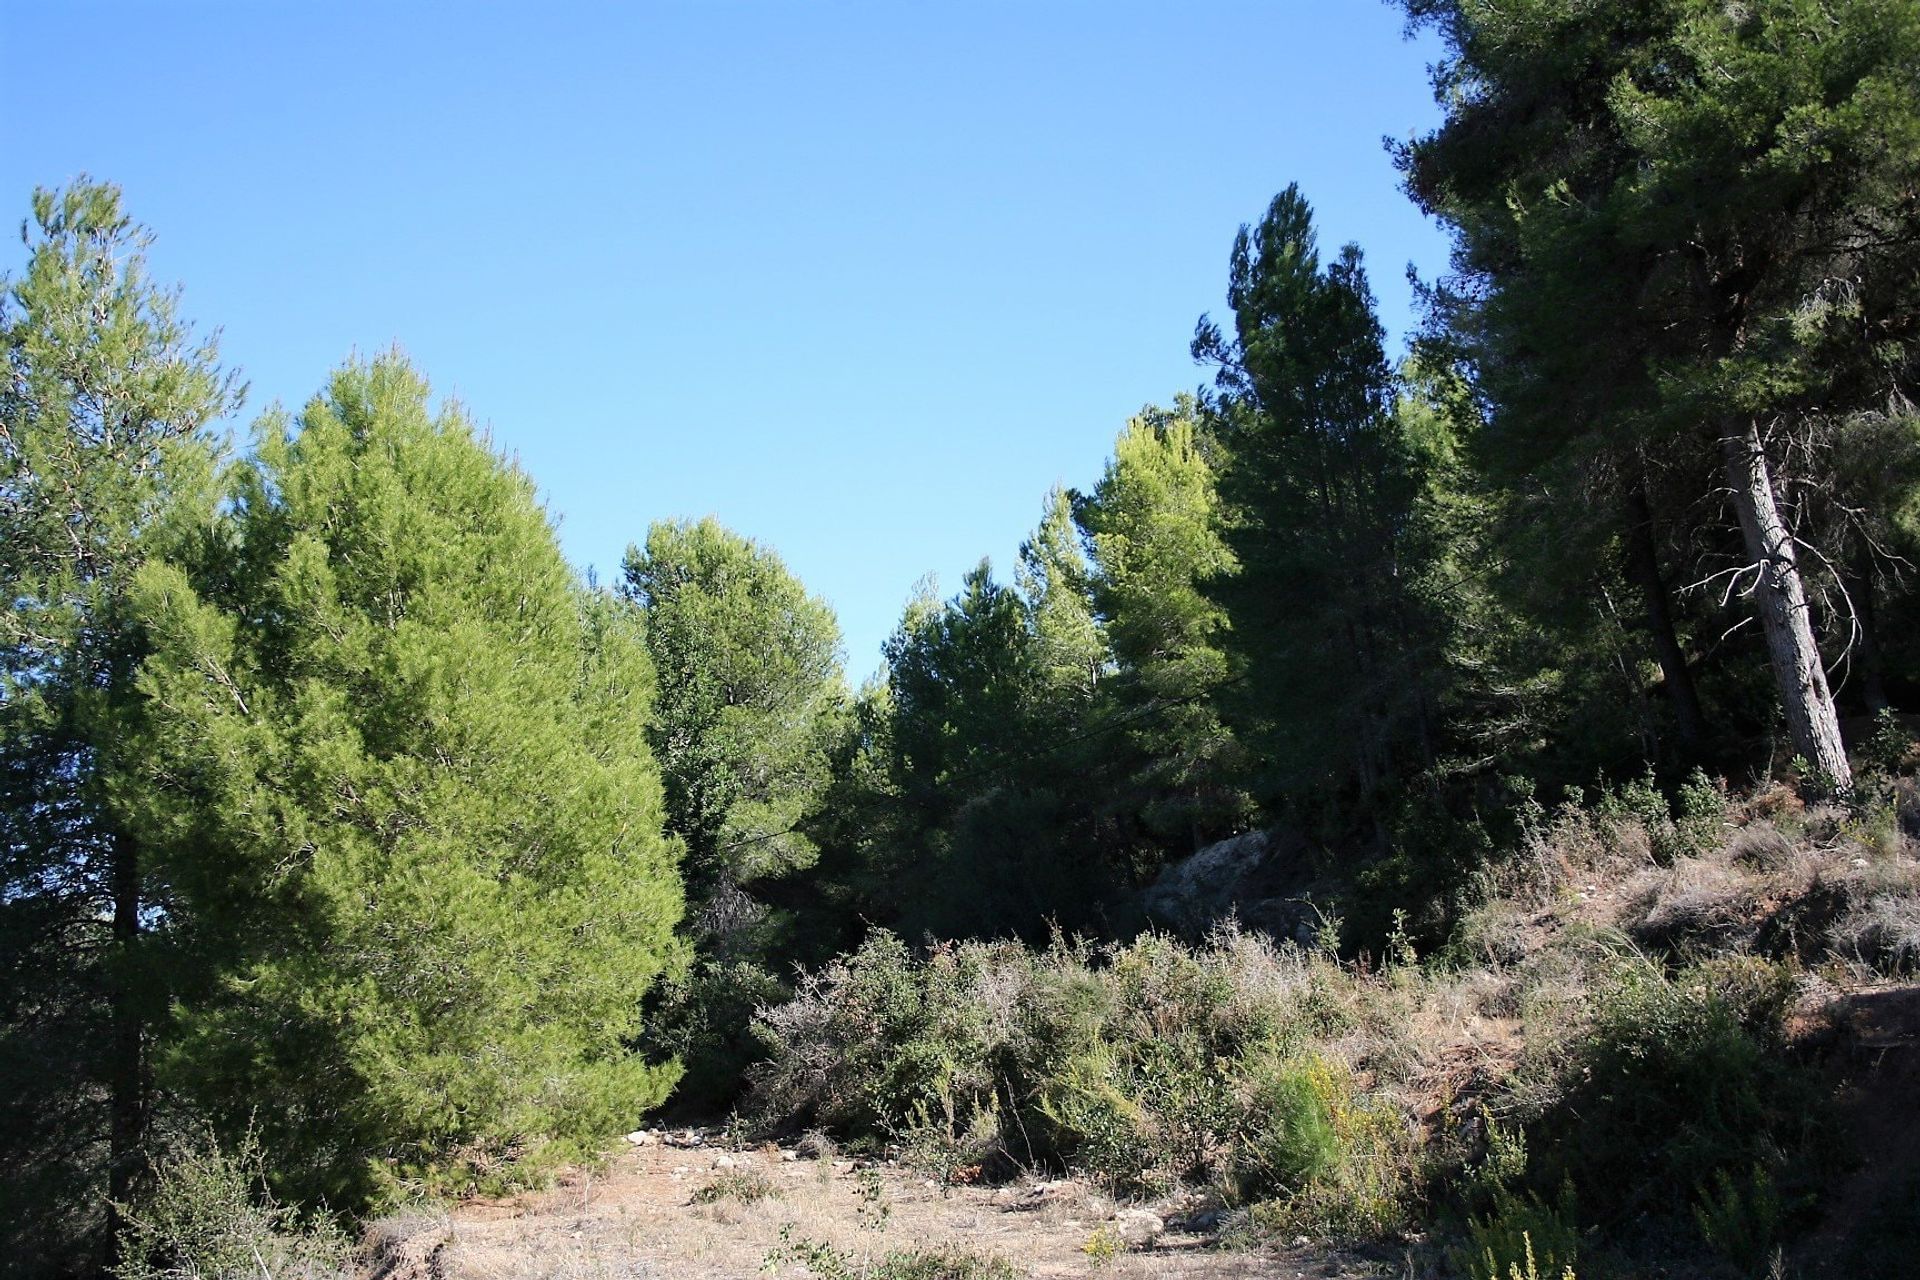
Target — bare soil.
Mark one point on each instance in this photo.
(642, 1216)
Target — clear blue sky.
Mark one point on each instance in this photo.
(863, 281)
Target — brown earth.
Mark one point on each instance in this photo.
(640, 1216)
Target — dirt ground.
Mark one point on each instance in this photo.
(645, 1215)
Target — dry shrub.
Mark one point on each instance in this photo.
(1694, 907)
(1882, 934)
(1238, 1063)
(1761, 847)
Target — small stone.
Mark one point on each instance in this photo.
(681, 1171)
(642, 1138)
(788, 1157)
(723, 1161)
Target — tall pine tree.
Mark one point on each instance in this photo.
(391, 767)
(103, 415)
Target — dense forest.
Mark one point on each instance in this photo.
(346, 828)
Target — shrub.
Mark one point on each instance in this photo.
(1144, 1065)
(829, 1263)
(741, 1185)
(1678, 1080)
(211, 1217)
(1742, 1220)
(1523, 1236)
(880, 1041)
(1289, 1141)
(1883, 934)
(1351, 1173)
(703, 1019)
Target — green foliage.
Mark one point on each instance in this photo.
(106, 400)
(1678, 1081)
(210, 1216)
(1339, 659)
(1642, 199)
(1154, 526)
(395, 778)
(702, 1017)
(751, 696)
(1742, 1221)
(1521, 1236)
(995, 793)
(1692, 824)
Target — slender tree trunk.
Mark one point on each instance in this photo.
(126, 1047)
(1643, 570)
(1781, 595)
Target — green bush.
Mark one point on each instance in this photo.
(1289, 1141)
(211, 1217)
(1523, 1235)
(1679, 1080)
(703, 1018)
(1742, 1219)
(1145, 1066)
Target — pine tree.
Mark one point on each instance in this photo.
(1334, 686)
(103, 417)
(751, 693)
(1055, 580)
(392, 768)
(1154, 522)
(1682, 229)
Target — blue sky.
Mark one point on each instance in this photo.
(863, 281)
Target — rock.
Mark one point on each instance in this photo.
(1203, 1221)
(1139, 1226)
(643, 1138)
(681, 1171)
(1255, 877)
(724, 1161)
(788, 1157)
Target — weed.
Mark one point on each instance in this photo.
(741, 1185)
(1103, 1246)
(829, 1263)
(1742, 1222)
(874, 1208)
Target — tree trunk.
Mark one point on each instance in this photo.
(1643, 570)
(126, 1046)
(1781, 596)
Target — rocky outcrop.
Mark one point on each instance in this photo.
(1257, 878)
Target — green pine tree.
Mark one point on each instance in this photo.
(391, 767)
(1155, 525)
(104, 408)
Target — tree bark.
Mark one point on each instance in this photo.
(1781, 596)
(1643, 570)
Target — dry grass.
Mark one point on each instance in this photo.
(640, 1218)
